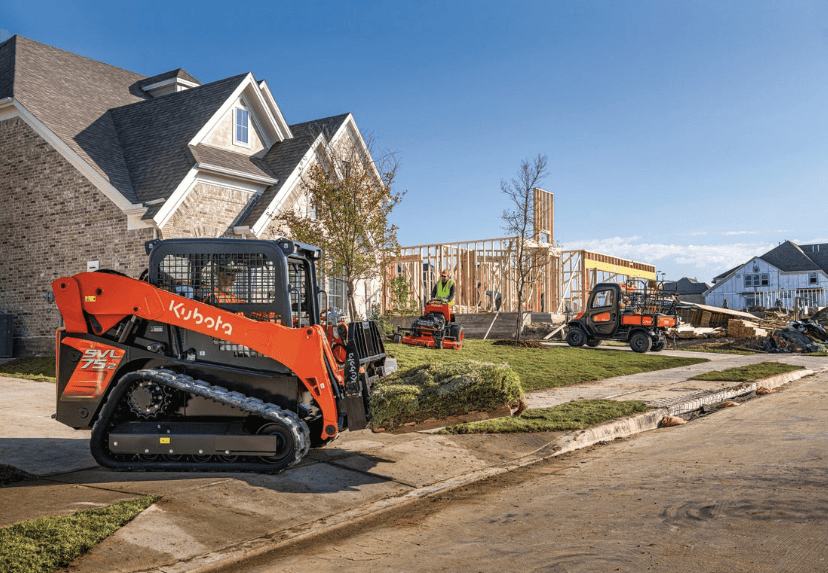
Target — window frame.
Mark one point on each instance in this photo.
(236, 125)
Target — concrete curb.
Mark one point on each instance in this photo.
(580, 439)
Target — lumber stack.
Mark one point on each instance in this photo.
(737, 328)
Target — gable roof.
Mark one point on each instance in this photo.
(283, 158)
(155, 134)
(145, 147)
(789, 257)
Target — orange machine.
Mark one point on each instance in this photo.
(435, 329)
(638, 314)
(194, 368)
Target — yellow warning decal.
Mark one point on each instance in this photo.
(90, 299)
(164, 441)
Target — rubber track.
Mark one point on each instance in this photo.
(188, 384)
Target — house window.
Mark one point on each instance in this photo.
(337, 297)
(241, 132)
(812, 278)
(756, 280)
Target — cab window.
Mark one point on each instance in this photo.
(602, 298)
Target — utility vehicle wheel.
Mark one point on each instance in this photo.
(575, 337)
(397, 338)
(658, 346)
(641, 342)
(593, 342)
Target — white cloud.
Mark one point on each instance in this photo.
(701, 261)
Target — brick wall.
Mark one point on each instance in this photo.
(53, 220)
(208, 211)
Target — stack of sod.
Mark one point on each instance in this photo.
(443, 390)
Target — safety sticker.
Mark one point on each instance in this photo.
(164, 441)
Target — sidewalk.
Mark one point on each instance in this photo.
(206, 521)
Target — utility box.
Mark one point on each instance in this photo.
(6, 335)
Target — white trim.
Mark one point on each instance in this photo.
(167, 82)
(281, 123)
(219, 170)
(290, 183)
(256, 105)
(241, 106)
(104, 186)
(193, 178)
(175, 199)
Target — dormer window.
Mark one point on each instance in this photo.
(241, 127)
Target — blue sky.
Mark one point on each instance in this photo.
(691, 135)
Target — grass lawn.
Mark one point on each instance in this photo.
(543, 368)
(565, 417)
(48, 543)
(42, 369)
(747, 373)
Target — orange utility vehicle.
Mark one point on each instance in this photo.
(435, 328)
(214, 360)
(636, 312)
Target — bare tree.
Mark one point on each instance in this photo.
(519, 223)
(350, 198)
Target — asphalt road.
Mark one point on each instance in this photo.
(743, 489)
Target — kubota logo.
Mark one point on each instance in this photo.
(94, 359)
(184, 313)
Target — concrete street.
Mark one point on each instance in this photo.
(741, 490)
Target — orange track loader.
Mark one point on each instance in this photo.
(188, 369)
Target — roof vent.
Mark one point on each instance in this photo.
(168, 82)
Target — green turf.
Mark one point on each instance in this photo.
(565, 417)
(543, 368)
(442, 390)
(748, 373)
(42, 369)
(48, 543)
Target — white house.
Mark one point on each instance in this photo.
(778, 278)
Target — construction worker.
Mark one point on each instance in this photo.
(444, 289)
(223, 281)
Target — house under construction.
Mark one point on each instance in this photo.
(486, 275)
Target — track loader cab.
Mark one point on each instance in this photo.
(215, 361)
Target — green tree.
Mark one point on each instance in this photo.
(403, 303)
(350, 195)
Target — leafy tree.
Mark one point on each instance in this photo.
(519, 222)
(402, 301)
(350, 198)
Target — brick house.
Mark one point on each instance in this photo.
(95, 160)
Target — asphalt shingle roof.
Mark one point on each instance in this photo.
(71, 95)
(138, 143)
(177, 73)
(284, 157)
(155, 134)
(789, 257)
(230, 160)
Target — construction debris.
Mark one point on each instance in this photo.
(798, 336)
(670, 421)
